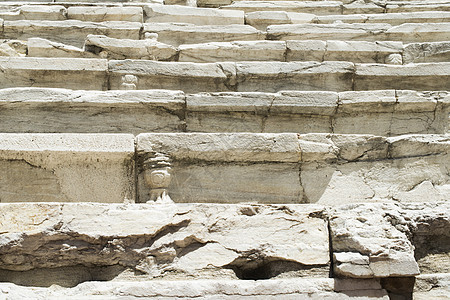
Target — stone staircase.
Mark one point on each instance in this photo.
(219, 149)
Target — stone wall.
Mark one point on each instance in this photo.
(218, 149)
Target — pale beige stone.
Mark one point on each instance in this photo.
(129, 49)
(72, 32)
(199, 16)
(50, 110)
(312, 7)
(35, 12)
(89, 74)
(67, 168)
(426, 52)
(233, 51)
(38, 47)
(103, 14)
(262, 19)
(177, 33)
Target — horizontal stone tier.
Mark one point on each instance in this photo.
(334, 7)
(385, 113)
(289, 289)
(329, 169)
(99, 46)
(100, 74)
(156, 13)
(67, 244)
(75, 32)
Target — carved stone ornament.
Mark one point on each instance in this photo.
(129, 82)
(158, 179)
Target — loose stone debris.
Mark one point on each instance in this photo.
(225, 149)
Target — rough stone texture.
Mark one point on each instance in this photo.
(260, 167)
(199, 16)
(177, 34)
(112, 48)
(341, 169)
(38, 47)
(233, 51)
(89, 74)
(13, 48)
(103, 14)
(426, 52)
(72, 32)
(262, 19)
(298, 289)
(139, 242)
(66, 168)
(62, 110)
(34, 12)
(432, 286)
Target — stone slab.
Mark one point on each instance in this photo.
(104, 14)
(61, 110)
(72, 32)
(189, 77)
(302, 76)
(233, 51)
(66, 168)
(89, 74)
(34, 12)
(260, 167)
(290, 289)
(312, 7)
(199, 16)
(145, 241)
(176, 34)
(422, 76)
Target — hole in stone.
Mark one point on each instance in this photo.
(275, 269)
(399, 288)
(62, 276)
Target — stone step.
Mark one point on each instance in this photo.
(99, 46)
(67, 167)
(100, 74)
(385, 113)
(335, 7)
(329, 169)
(290, 289)
(182, 33)
(429, 32)
(72, 32)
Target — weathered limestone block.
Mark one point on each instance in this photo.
(426, 52)
(61, 110)
(336, 31)
(260, 112)
(390, 112)
(129, 49)
(262, 19)
(312, 7)
(199, 16)
(38, 47)
(66, 168)
(432, 286)
(339, 169)
(413, 6)
(177, 34)
(428, 32)
(35, 12)
(333, 50)
(72, 32)
(303, 76)
(367, 244)
(391, 18)
(140, 242)
(421, 77)
(189, 77)
(362, 7)
(224, 168)
(233, 51)
(89, 74)
(13, 48)
(103, 14)
(289, 289)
